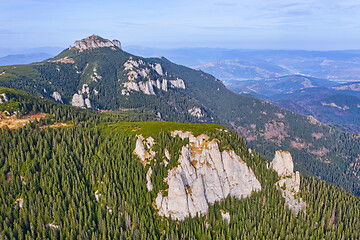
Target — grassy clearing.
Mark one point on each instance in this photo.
(152, 128)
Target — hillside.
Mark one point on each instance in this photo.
(328, 105)
(327, 101)
(96, 73)
(23, 58)
(86, 181)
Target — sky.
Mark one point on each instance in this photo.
(252, 24)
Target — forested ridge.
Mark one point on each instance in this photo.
(58, 172)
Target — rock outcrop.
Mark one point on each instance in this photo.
(19, 202)
(97, 195)
(225, 216)
(147, 77)
(204, 175)
(95, 41)
(3, 98)
(149, 185)
(289, 183)
(282, 163)
(178, 83)
(57, 97)
(196, 112)
(79, 101)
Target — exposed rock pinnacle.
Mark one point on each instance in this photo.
(95, 41)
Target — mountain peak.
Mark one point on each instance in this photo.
(95, 41)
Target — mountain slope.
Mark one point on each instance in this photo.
(97, 74)
(23, 58)
(84, 181)
(328, 105)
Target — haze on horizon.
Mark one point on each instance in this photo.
(259, 24)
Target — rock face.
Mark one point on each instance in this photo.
(78, 100)
(95, 41)
(19, 202)
(178, 83)
(282, 163)
(289, 183)
(141, 149)
(204, 175)
(147, 77)
(57, 97)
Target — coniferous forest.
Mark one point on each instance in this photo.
(83, 181)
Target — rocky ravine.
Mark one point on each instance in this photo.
(204, 175)
(289, 183)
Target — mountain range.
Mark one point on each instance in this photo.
(327, 101)
(247, 64)
(87, 151)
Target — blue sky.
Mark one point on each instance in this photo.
(259, 24)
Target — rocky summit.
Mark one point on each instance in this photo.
(95, 41)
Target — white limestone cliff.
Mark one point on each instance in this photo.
(157, 67)
(178, 83)
(289, 183)
(95, 41)
(282, 163)
(143, 149)
(78, 100)
(204, 175)
(57, 97)
(87, 103)
(147, 77)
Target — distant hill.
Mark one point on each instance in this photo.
(97, 74)
(333, 65)
(279, 85)
(231, 70)
(23, 58)
(351, 86)
(327, 101)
